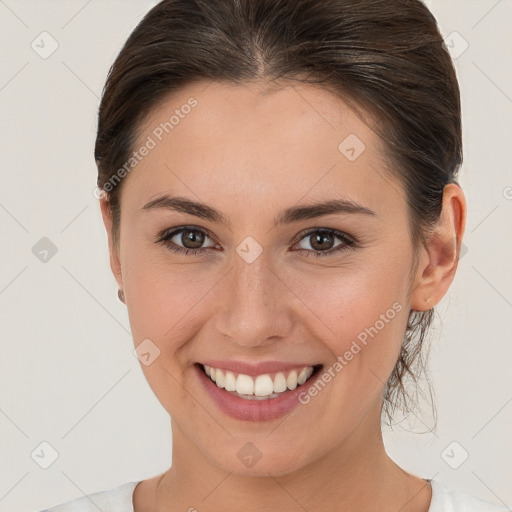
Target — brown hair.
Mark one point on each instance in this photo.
(386, 56)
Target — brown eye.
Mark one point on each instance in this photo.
(187, 240)
(322, 241)
(192, 239)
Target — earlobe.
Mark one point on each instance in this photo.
(437, 268)
(115, 263)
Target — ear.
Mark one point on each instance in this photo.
(115, 263)
(439, 260)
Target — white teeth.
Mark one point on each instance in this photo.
(279, 383)
(244, 384)
(260, 387)
(219, 378)
(291, 381)
(230, 382)
(304, 375)
(263, 385)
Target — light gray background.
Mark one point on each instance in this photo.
(68, 374)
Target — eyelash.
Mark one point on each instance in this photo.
(348, 241)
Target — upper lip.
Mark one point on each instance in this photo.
(254, 369)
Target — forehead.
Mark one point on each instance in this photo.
(251, 142)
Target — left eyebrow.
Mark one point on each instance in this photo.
(290, 215)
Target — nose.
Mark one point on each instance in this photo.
(253, 307)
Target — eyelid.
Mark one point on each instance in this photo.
(168, 233)
(349, 241)
(336, 232)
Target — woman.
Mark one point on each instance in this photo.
(278, 185)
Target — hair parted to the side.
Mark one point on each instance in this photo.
(385, 57)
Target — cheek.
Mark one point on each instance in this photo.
(164, 304)
(348, 301)
(162, 300)
(360, 314)
(167, 302)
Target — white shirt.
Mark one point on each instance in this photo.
(120, 499)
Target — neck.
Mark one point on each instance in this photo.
(356, 476)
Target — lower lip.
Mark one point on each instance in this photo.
(253, 410)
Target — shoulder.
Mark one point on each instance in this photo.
(117, 499)
(445, 499)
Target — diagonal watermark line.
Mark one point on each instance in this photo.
(430, 429)
(380, 136)
(288, 414)
(200, 199)
(76, 14)
(312, 187)
(14, 485)
(203, 296)
(293, 87)
(13, 279)
(387, 175)
(3, 3)
(493, 287)
(414, 496)
(74, 218)
(14, 76)
(83, 493)
(217, 486)
(14, 218)
(486, 14)
(497, 497)
(492, 81)
(95, 299)
(506, 403)
(289, 289)
(287, 492)
(80, 79)
(195, 400)
(279, 424)
(377, 376)
(118, 381)
(484, 218)
(14, 423)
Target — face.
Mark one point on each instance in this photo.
(239, 281)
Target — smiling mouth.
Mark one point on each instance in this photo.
(261, 387)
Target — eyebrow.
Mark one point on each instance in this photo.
(290, 215)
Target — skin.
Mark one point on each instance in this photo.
(251, 151)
